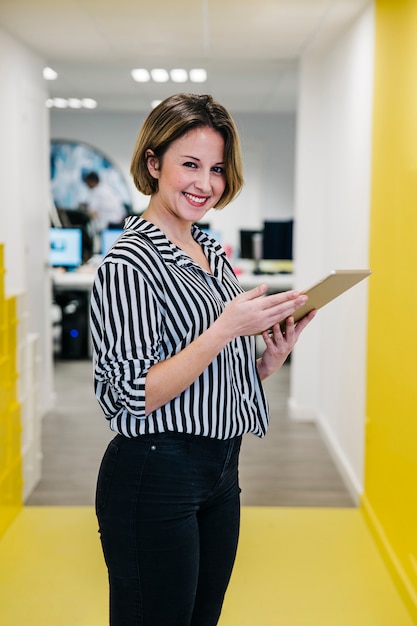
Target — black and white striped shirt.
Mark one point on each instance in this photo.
(149, 301)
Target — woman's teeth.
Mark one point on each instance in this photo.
(195, 198)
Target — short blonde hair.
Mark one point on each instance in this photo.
(174, 117)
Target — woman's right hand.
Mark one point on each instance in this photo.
(253, 312)
(249, 313)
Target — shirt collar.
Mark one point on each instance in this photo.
(169, 251)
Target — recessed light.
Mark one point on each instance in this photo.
(141, 75)
(60, 103)
(198, 75)
(74, 103)
(179, 75)
(49, 73)
(160, 75)
(89, 103)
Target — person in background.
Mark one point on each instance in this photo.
(176, 374)
(104, 205)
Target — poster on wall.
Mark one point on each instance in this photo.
(70, 161)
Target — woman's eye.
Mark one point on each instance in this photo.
(217, 169)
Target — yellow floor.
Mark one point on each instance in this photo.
(295, 567)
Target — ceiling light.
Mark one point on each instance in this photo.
(140, 75)
(49, 73)
(74, 103)
(198, 75)
(160, 75)
(60, 103)
(179, 75)
(89, 103)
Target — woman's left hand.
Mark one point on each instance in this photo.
(279, 344)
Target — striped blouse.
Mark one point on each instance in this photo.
(149, 301)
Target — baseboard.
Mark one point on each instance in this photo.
(405, 587)
(300, 413)
(351, 481)
(306, 414)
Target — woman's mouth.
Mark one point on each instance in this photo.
(196, 200)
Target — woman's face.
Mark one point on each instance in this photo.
(191, 177)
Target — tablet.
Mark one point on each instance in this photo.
(329, 288)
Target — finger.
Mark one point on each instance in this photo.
(289, 326)
(285, 309)
(272, 299)
(273, 334)
(305, 321)
(256, 292)
(287, 329)
(267, 336)
(282, 297)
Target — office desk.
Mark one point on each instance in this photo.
(72, 281)
(275, 282)
(83, 281)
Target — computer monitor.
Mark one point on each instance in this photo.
(65, 247)
(247, 249)
(108, 237)
(277, 240)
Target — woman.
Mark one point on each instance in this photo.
(176, 374)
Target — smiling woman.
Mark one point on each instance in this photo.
(177, 376)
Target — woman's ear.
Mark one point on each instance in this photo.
(153, 163)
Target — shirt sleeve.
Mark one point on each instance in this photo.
(126, 329)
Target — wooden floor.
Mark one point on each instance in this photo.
(289, 467)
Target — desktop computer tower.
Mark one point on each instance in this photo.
(74, 324)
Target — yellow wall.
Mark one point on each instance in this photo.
(390, 498)
(10, 420)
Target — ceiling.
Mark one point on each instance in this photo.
(250, 48)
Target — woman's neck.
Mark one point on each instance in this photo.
(179, 232)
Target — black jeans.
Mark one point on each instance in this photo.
(168, 507)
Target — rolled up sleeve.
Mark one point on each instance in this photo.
(126, 328)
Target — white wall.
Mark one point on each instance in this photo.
(333, 164)
(24, 192)
(268, 144)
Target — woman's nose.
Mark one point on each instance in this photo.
(203, 180)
